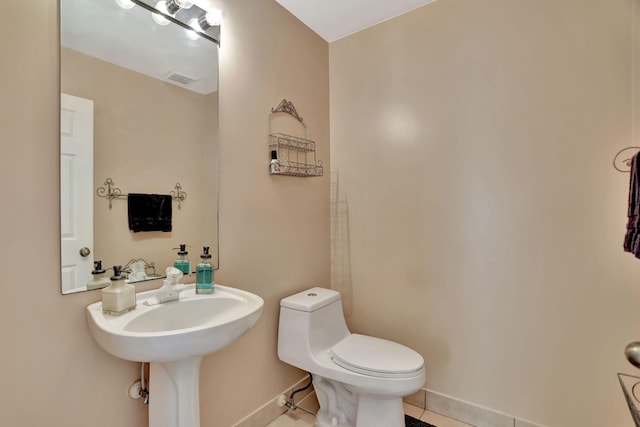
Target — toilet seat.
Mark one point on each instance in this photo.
(376, 357)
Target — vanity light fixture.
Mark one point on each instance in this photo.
(196, 21)
(210, 19)
(125, 4)
(206, 20)
(169, 7)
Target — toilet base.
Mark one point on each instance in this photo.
(337, 404)
(373, 411)
(325, 420)
(340, 407)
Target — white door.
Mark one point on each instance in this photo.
(76, 191)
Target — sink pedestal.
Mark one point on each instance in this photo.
(174, 393)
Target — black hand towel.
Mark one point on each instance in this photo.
(632, 238)
(149, 212)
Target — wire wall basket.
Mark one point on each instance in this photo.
(292, 155)
(631, 389)
(297, 156)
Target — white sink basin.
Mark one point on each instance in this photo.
(173, 337)
(193, 326)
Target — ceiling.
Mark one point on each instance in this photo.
(334, 19)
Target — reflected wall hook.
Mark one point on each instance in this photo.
(622, 159)
(178, 195)
(111, 192)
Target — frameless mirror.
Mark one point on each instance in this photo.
(139, 115)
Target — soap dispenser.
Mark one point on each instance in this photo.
(119, 297)
(204, 273)
(99, 277)
(182, 263)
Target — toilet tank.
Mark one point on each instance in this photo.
(310, 322)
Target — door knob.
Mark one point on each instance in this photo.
(84, 252)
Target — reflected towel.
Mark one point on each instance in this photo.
(149, 212)
(632, 238)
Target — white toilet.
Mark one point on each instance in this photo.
(359, 380)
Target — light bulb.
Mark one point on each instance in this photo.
(183, 4)
(162, 7)
(193, 23)
(173, 6)
(191, 34)
(125, 4)
(212, 18)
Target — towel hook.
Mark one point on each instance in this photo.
(111, 192)
(178, 195)
(622, 159)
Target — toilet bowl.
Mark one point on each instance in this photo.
(359, 380)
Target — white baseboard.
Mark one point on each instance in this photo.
(465, 412)
(433, 401)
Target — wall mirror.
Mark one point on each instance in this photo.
(139, 115)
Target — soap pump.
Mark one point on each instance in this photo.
(99, 277)
(204, 273)
(182, 263)
(119, 297)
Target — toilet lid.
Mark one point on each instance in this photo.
(376, 357)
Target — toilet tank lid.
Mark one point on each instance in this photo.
(311, 299)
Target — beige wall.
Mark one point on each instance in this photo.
(274, 230)
(478, 209)
(478, 217)
(148, 136)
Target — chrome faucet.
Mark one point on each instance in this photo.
(170, 289)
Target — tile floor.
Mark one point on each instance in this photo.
(303, 418)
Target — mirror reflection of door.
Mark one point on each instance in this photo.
(76, 201)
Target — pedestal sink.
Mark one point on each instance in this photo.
(173, 337)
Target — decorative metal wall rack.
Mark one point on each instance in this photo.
(287, 107)
(112, 192)
(295, 156)
(148, 266)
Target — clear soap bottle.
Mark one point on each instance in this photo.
(119, 297)
(204, 273)
(182, 263)
(99, 277)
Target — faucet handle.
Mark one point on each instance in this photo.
(173, 275)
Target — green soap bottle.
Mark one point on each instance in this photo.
(182, 263)
(204, 273)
